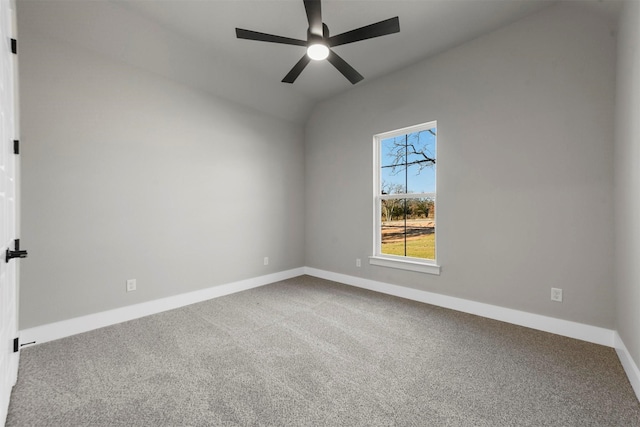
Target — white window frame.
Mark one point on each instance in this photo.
(394, 261)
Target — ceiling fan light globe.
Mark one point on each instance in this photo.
(318, 51)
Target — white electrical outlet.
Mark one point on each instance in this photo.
(556, 294)
(266, 260)
(358, 263)
(131, 285)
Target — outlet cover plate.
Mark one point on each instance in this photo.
(131, 285)
(556, 294)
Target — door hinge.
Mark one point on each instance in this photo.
(14, 46)
(16, 146)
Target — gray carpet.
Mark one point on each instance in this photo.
(308, 352)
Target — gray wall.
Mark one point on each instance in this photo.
(627, 180)
(117, 32)
(525, 179)
(127, 174)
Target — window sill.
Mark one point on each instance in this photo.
(405, 264)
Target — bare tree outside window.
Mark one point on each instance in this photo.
(412, 147)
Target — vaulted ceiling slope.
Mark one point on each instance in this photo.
(194, 42)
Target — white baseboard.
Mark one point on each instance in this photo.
(65, 328)
(565, 328)
(630, 368)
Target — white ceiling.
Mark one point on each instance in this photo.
(193, 41)
(426, 28)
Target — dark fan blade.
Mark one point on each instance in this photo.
(382, 28)
(347, 70)
(296, 70)
(314, 16)
(264, 37)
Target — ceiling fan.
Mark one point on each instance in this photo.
(319, 42)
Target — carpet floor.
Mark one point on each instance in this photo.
(309, 352)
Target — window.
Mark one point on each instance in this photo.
(405, 199)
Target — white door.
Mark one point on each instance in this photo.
(8, 207)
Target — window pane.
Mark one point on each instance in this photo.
(421, 161)
(392, 228)
(407, 228)
(393, 159)
(421, 179)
